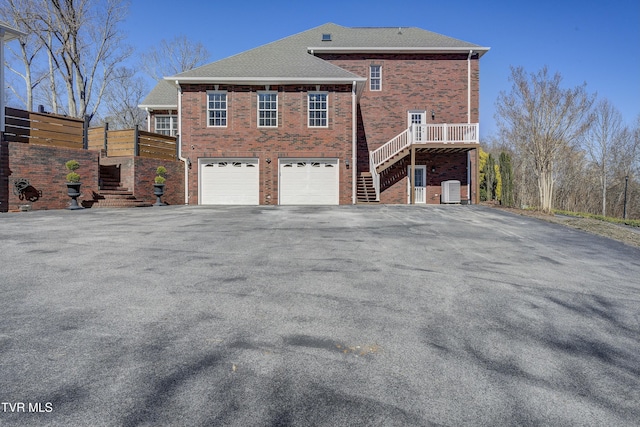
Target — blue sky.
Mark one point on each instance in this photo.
(596, 42)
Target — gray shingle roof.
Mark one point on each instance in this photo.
(289, 59)
(376, 38)
(163, 96)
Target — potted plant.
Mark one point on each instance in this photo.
(73, 183)
(158, 185)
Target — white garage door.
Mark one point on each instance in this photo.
(229, 182)
(308, 182)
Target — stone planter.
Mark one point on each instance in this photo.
(73, 190)
(158, 191)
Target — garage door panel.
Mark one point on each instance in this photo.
(309, 181)
(229, 182)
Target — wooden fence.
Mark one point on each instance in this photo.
(132, 142)
(43, 129)
(60, 131)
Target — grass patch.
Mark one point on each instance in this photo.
(630, 222)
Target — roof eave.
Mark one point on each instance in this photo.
(328, 49)
(158, 107)
(266, 80)
(8, 33)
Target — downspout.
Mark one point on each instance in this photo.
(469, 86)
(2, 111)
(186, 161)
(354, 143)
(469, 121)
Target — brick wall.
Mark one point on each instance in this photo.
(414, 82)
(409, 82)
(145, 172)
(44, 168)
(243, 138)
(448, 166)
(138, 173)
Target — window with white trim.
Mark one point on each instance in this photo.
(166, 125)
(318, 109)
(375, 77)
(267, 109)
(217, 109)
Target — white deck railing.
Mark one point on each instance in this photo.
(464, 133)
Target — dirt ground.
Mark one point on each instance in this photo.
(622, 233)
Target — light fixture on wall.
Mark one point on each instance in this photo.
(268, 160)
(433, 168)
(433, 114)
(346, 163)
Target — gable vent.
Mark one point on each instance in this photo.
(326, 37)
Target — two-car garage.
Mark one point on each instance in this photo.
(304, 181)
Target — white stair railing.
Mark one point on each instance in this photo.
(391, 148)
(384, 153)
(466, 133)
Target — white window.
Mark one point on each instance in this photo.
(167, 125)
(375, 77)
(217, 109)
(318, 110)
(267, 109)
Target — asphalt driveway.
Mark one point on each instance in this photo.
(343, 316)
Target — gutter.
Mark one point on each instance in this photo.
(330, 49)
(266, 80)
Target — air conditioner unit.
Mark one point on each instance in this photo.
(450, 191)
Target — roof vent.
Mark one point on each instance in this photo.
(326, 37)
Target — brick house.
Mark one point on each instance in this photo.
(332, 115)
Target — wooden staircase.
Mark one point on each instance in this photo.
(393, 160)
(366, 193)
(112, 194)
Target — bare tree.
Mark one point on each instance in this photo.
(28, 53)
(541, 118)
(122, 99)
(606, 134)
(84, 46)
(173, 57)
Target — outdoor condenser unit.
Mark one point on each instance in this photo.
(450, 192)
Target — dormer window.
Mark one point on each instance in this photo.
(326, 37)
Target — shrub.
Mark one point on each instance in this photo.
(72, 166)
(160, 172)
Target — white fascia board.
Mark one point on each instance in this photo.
(7, 33)
(267, 80)
(325, 49)
(158, 107)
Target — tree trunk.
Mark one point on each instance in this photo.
(604, 193)
(53, 91)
